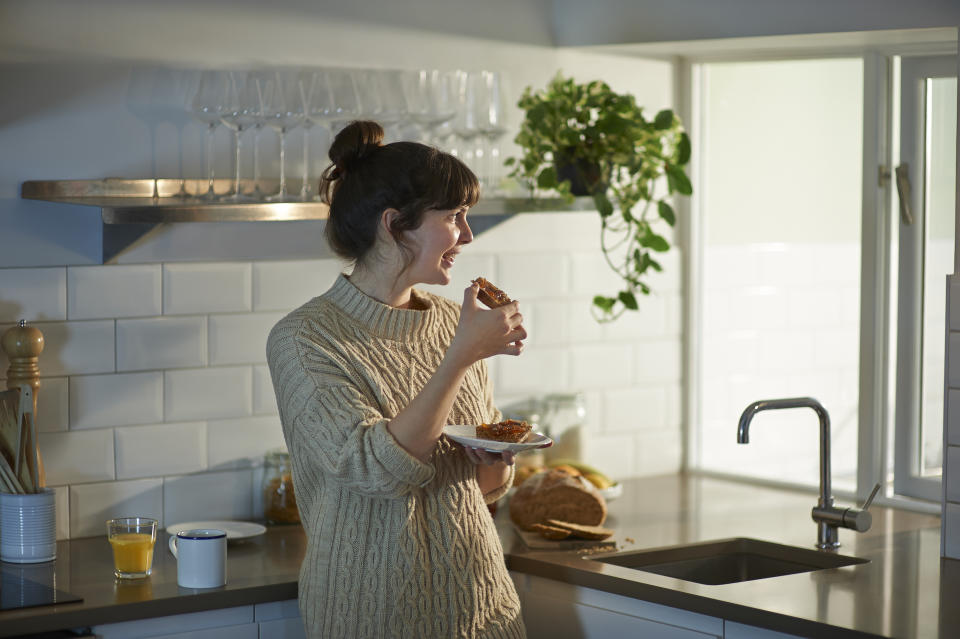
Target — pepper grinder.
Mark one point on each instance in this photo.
(23, 345)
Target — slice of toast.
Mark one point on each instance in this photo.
(595, 533)
(490, 294)
(550, 532)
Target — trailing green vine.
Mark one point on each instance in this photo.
(586, 139)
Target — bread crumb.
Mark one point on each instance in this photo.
(629, 540)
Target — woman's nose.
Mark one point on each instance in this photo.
(466, 235)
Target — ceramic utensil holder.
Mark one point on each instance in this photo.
(28, 528)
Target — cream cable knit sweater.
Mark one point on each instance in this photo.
(395, 547)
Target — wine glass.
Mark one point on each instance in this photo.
(156, 95)
(346, 105)
(392, 109)
(320, 110)
(206, 106)
(465, 123)
(284, 111)
(491, 125)
(259, 78)
(240, 112)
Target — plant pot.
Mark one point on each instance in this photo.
(585, 177)
(28, 527)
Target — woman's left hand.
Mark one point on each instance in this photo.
(486, 458)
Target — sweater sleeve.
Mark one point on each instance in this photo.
(348, 440)
(332, 428)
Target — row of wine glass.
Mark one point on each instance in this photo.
(459, 111)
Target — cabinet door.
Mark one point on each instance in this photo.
(556, 610)
(192, 625)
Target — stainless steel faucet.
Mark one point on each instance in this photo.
(828, 517)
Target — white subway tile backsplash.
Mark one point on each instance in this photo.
(670, 278)
(53, 405)
(221, 495)
(561, 231)
(527, 276)
(583, 326)
(264, 399)
(547, 322)
(535, 370)
(161, 342)
(285, 285)
(241, 443)
(219, 287)
(77, 456)
(76, 348)
(601, 366)
(91, 505)
(95, 292)
(634, 409)
(33, 294)
(659, 361)
(120, 399)
(649, 320)
(161, 449)
(658, 452)
(62, 511)
(591, 275)
(208, 393)
(615, 454)
(239, 338)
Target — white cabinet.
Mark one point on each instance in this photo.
(557, 610)
(276, 620)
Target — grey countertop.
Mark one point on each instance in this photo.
(898, 593)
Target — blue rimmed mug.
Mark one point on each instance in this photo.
(201, 557)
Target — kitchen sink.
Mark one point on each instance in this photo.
(728, 561)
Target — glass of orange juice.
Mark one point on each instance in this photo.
(132, 539)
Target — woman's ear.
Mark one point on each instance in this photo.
(387, 220)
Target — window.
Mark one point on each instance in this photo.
(808, 280)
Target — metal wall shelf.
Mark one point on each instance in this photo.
(131, 208)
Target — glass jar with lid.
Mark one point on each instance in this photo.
(564, 417)
(279, 502)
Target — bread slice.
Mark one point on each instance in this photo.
(509, 430)
(595, 533)
(490, 294)
(550, 532)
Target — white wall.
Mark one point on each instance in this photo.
(155, 397)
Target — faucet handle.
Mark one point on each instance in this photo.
(860, 520)
(873, 493)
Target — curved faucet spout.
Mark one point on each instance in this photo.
(743, 434)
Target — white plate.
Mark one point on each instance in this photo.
(612, 492)
(234, 529)
(466, 435)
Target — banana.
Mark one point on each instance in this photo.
(596, 477)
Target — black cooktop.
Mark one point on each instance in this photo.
(19, 592)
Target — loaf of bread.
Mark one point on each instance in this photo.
(557, 494)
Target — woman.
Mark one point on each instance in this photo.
(399, 539)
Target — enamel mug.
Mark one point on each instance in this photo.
(201, 558)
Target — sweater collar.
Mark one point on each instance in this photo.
(379, 318)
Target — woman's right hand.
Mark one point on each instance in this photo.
(484, 332)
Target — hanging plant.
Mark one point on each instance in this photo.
(586, 139)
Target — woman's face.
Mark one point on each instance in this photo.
(436, 244)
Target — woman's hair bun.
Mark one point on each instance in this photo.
(353, 143)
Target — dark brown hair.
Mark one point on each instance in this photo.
(367, 178)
